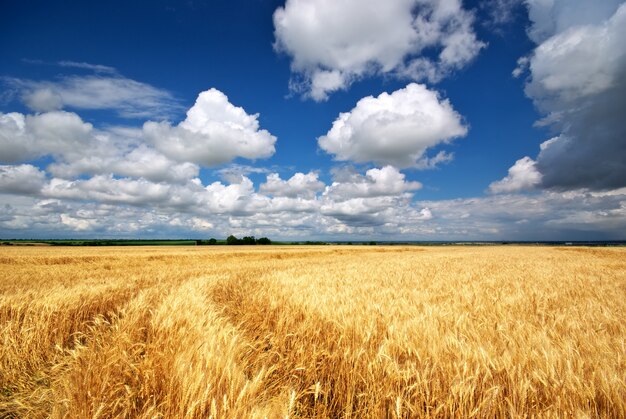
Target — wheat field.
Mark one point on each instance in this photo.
(328, 331)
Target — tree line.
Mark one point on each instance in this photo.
(233, 241)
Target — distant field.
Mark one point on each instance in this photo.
(351, 331)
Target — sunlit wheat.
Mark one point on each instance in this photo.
(312, 332)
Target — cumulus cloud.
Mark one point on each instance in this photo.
(146, 162)
(387, 181)
(523, 175)
(214, 132)
(107, 206)
(108, 189)
(78, 224)
(77, 148)
(300, 184)
(301, 204)
(379, 199)
(395, 129)
(332, 43)
(23, 179)
(578, 80)
(26, 137)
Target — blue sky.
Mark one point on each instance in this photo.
(399, 120)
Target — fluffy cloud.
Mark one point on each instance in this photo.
(109, 190)
(26, 137)
(129, 98)
(394, 129)
(111, 207)
(214, 132)
(78, 224)
(302, 204)
(578, 80)
(334, 42)
(138, 161)
(379, 199)
(522, 176)
(387, 181)
(23, 179)
(146, 162)
(300, 184)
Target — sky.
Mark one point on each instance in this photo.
(313, 119)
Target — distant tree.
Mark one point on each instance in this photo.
(263, 240)
(232, 240)
(372, 243)
(212, 242)
(248, 240)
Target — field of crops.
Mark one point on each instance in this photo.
(323, 331)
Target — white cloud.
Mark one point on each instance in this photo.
(214, 132)
(381, 197)
(234, 172)
(78, 224)
(146, 162)
(331, 43)
(522, 66)
(98, 68)
(395, 129)
(523, 175)
(377, 213)
(140, 162)
(499, 12)
(109, 190)
(581, 61)
(300, 184)
(26, 137)
(43, 99)
(14, 142)
(387, 181)
(233, 198)
(129, 98)
(573, 215)
(78, 148)
(432, 162)
(201, 224)
(105, 206)
(22, 179)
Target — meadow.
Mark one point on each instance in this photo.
(326, 331)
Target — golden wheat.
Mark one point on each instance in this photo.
(312, 332)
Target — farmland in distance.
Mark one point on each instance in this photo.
(326, 331)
